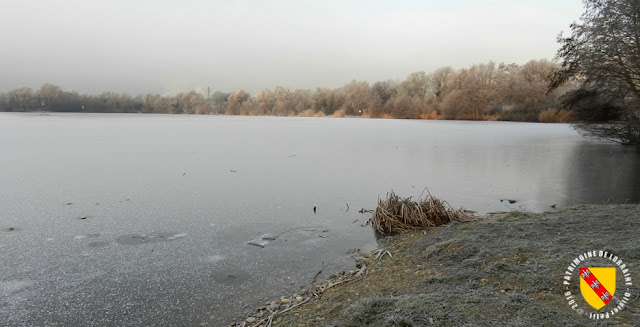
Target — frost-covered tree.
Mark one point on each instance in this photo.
(603, 55)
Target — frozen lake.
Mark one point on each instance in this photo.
(127, 220)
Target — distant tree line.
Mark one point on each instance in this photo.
(482, 92)
(51, 97)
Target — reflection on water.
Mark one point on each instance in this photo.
(144, 219)
(602, 173)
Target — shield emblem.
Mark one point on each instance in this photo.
(598, 285)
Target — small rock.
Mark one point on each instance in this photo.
(273, 307)
(285, 301)
(251, 320)
(299, 298)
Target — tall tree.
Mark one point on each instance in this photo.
(235, 102)
(603, 53)
(219, 101)
(440, 80)
(21, 99)
(282, 106)
(356, 97)
(417, 84)
(265, 100)
(49, 95)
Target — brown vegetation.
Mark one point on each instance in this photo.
(482, 92)
(555, 116)
(396, 214)
(307, 113)
(339, 113)
(431, 115)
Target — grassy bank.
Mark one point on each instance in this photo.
(501, 271)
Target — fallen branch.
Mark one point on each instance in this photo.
(313, 291)
(269, 319)
(381, 254)
(361, 271)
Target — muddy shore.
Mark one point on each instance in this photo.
(502, 270)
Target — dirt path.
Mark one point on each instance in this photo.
(500, 271)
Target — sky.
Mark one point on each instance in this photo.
(169, 46)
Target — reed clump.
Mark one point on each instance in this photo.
(395, 214)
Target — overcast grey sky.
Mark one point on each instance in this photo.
(167, 46)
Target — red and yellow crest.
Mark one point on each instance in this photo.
(598, 285)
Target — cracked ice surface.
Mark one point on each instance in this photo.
(128, 220)
(153, 272)
(101, 230)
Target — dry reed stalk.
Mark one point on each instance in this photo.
(555, 116)
(395, 214)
